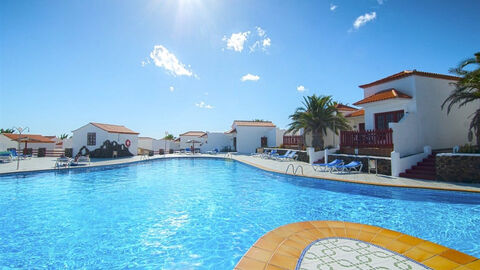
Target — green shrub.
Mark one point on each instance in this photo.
(468, 148)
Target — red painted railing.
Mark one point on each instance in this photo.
(292, 140)
(367, 138)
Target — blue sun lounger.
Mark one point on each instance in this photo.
(322, 167)
(355, 166)
(290, 155)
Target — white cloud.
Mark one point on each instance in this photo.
(333, 7)
(363, 19)
(380, 2)
(236, 41)
(260, 31)
(202, 104)
(171, 88)
(267, 42)
(167, 60)
(301, 88)
(250, 77)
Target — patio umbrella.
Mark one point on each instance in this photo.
(193, 142)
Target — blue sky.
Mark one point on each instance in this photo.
(66, 63)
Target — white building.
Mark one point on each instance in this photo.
(217, 140)
(31, 141)
(250, 135)
(409, 103)
(192, 135)
(103, 140)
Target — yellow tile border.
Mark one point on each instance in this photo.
(355, 181)
(281, 248)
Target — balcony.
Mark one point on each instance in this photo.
(293, 141)
(382, 140)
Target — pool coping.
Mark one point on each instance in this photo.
(236, 158)
(282, 247)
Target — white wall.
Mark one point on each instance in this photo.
(405, 85)
(80, 139)
(184, 139)
(218, 140)
(355, 121)
(407, 139)
(401, 164)
(146, 143)
(249, 138)
(440, 130)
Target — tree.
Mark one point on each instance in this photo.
(317, 115)
(467, 90)
(169, 137)
(63, 136)
(7, 130)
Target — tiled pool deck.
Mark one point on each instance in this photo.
(47, 163)
(283, 248)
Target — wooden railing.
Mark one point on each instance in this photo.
(292, 140)
(367, 138)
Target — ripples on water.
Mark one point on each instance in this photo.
(200, 214)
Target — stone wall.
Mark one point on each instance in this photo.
(384, 165)
(381, 152)
(458, 167)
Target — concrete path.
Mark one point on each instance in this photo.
(48, 163)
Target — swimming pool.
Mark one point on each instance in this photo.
(200, 214)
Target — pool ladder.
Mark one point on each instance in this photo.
(294, 170)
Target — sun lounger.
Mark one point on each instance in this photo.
(213, 152)
(6, 156)
(289, 155)
(325, 166)
(271, 154)
(62, 162)
(81, 160)
(355, 166)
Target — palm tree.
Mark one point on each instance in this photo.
(7, 130)
(63, 136)
(169, 137)
(317, 115)
(467, 90)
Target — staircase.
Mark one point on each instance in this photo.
(424, 169)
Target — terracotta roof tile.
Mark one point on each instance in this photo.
(356, 113)
(253, 123)
(343, 107)
(193, 133)
(383, 95)
(114, 128)
(32, 138)
(407, 73)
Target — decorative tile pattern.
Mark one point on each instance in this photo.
(344, 253)
(345, 245)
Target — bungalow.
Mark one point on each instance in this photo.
(249, 135)
(104, 140)
(29, 143)
(217, 140)
(402, 113)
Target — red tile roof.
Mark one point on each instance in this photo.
(356, 113)
(193, 133)
(253, 123)
(114, 128)
(343, 107)
(383, 95)
(31, 138)
(407, 73)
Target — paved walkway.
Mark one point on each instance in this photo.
(48, 163)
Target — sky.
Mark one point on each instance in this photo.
(159, 66)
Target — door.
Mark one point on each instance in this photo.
(235, 144)
(361, 127)
(263, 141)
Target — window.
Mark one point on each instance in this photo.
(263, 142)
(382, 119)
(91, 138)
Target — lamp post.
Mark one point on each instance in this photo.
(165, 141)
(20, 131)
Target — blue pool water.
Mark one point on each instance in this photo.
(200, 214)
